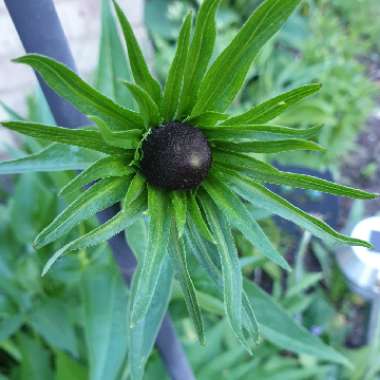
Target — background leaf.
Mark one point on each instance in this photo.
(105, 321)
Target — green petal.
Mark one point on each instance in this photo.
(257, 194)
(276, 146)
(200, 52)
(113, 64)
(148, 108)
(178, 254)
(76, 137)
(174, 81)
(198, 219)
(240, 217)
(207, 257)
(232, 277)
(139, 67)
(136, 187)
(54, 158)
(226, 76)
(264, 172)
(179, 205)
(270, 109)
(100, 196)
(148, 270)
(104, 168)
(257, 132)
(80, 94)
(124, 139)
(102, 233)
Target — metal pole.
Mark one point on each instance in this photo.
(40, 31)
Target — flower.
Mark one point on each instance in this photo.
(184, 161)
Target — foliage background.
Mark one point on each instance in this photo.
(49, 327)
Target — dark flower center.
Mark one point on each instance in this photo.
(176, 156)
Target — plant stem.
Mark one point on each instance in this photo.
(40, 31)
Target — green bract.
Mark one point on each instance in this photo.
(182, 224)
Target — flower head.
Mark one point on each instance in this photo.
(184, 161)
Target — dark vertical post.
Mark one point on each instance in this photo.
(40, 31)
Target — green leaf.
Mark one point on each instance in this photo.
(207, 119)
(232, 277)
(283, 331)
(270, 109)
(264, 172)
(140, 69)
(76, 137)
(198, 219)
(10, 325)
(269, 146)
(179, 204)
(102, 233)
(67, 368)
(200, 52)
(258, 194)
(112, 63)
(136, 187)
(35, 363)
(208, 258)
(148, 108)
(275, 323)
(104, 168)
(178, 255)
(240, 217)
(105, 304)
(143, 336)
(122, 139)
(84, 97)
(148, 271)
(258, 132)
(226, 76)
(53, 158)
(174, 81)
(52, 321)
(100, 196)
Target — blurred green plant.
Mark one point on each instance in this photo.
(66, 344)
